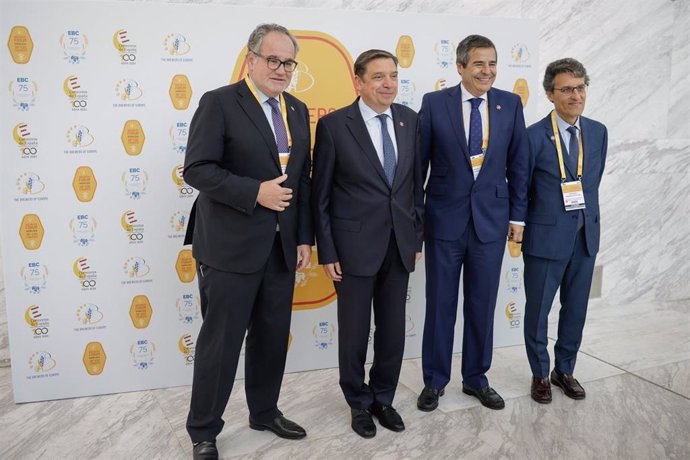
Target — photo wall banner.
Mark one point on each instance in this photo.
(101, 294)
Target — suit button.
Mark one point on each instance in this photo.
(574, 217)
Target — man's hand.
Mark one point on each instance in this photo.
(303, 256)
(273, 196)
(515, 233)
(333, 271)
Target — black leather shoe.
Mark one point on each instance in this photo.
(388, 417)
(428, 399)
(362, 423)
(569, 384)
(487, 396)
(541, 390)
(205, 450)
(281, 426)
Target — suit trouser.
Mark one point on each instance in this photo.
(543, 277)
(388, 289)
(481, 267)
(259, 304)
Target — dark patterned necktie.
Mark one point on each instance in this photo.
(388, 150)
(573, 148)
(475, 139)
(278, 126)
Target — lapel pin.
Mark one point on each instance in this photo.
(292, 107)
(553, 138)
(402, 124)
(498, 107)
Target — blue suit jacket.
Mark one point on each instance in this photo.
(452, 195)
(551, 230)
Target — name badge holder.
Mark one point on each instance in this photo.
(573, 194)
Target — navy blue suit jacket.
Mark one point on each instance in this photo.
(551, 230)
(452, 195)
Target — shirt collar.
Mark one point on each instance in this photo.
(466, 95)
(368, 113)
(262, 97)
(564, 125)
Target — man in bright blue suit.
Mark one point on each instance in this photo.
(561, 239)
(473, 136)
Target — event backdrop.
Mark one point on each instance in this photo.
(101, 294)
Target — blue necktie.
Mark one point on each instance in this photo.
(388, 150)
(573, 149)
(475, 139)
(278, 126)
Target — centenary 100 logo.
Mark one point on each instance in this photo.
(86, 275)
(76, 95)
(27, 143)
(133, 228)
(38, 324)
(187, 347)
(127, 51)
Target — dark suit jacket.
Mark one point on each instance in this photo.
(230, 151)
(452, 195)
(354, 208)
(551, 230)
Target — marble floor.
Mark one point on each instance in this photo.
(634, 364)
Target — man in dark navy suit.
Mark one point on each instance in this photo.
(561, 239)
(473, 137)
(250, 229)
(367, 204)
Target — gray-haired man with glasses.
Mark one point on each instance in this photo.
(561, 238)
(248, 154)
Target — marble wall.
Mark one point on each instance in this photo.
(638, 57)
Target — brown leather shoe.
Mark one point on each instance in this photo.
(569, 384)
(541, 390)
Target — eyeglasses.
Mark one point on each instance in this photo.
(274, 63)
(568, 90)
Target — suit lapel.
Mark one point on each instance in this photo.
(256, 114)
(587, 144)
(359, 131)
(401, 130)
(493, 102)
(296, 125)
(454, 105)
(552, 141)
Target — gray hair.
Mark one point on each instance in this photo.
(565, 65)
(258, 34)
(462, 53)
